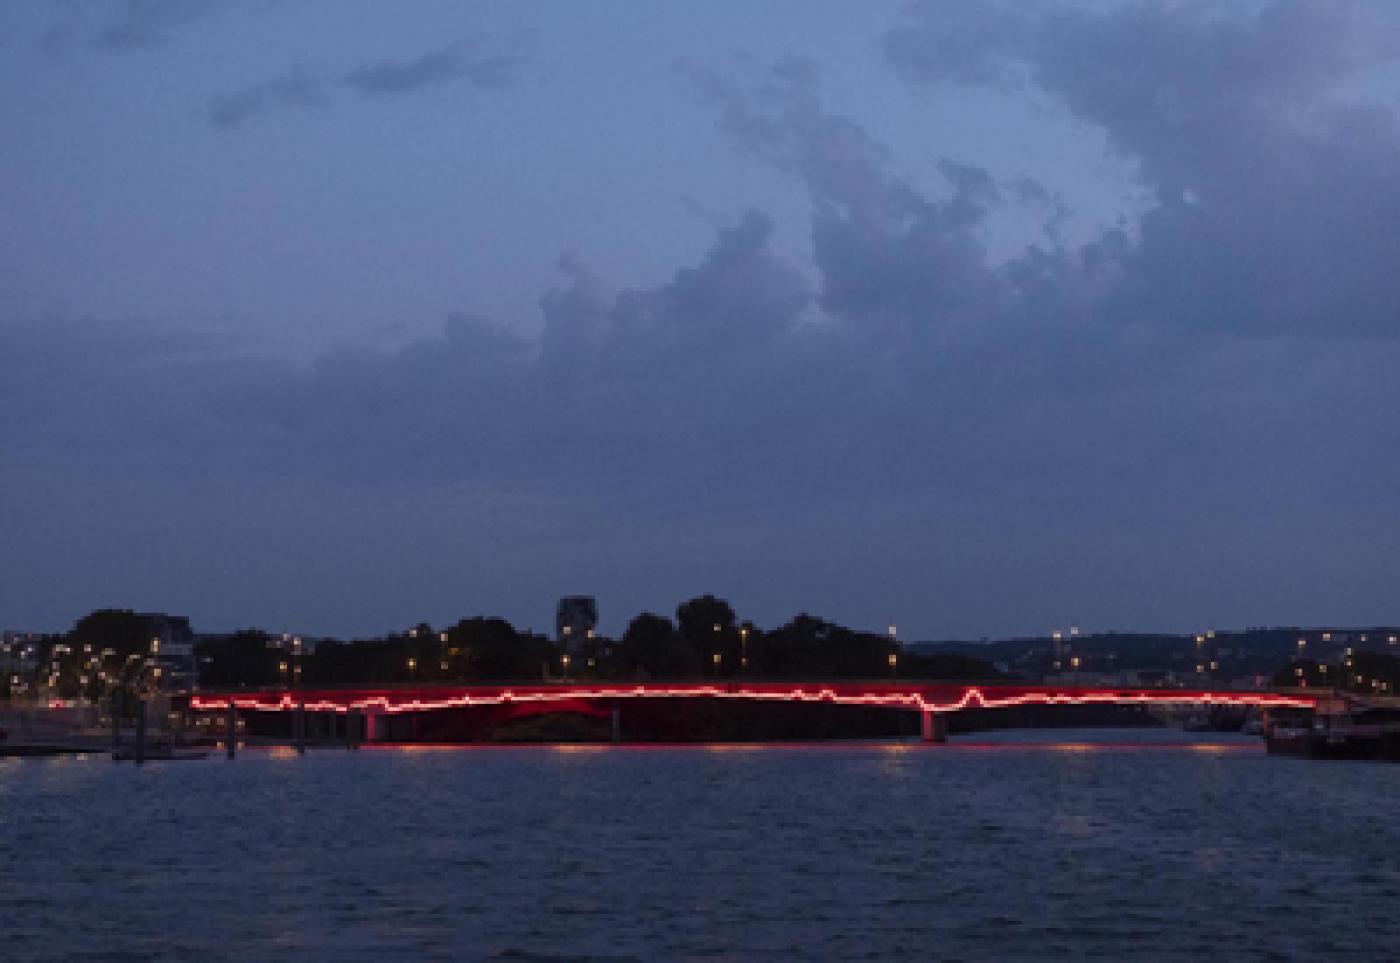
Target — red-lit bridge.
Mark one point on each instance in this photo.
(933, 700)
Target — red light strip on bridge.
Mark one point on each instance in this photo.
(972, 697)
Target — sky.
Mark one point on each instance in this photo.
(981, 319)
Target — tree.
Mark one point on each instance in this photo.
(707, 626)
(243, 659)
(702, 618)
(652, 647)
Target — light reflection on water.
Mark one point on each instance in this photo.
(1010, 844)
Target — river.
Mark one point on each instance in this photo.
(1040, 845)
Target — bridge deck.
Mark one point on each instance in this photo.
(933, 697)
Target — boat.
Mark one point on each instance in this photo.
(1358, 732)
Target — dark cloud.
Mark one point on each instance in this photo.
(121, 26)
(148, 23)
(298, 89)
(1275, 188)
(911, 363)
(461, 62)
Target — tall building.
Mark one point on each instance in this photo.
(575, 619)
(172, 649)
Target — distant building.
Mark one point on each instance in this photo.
(171, 649)
(20, 652)
(575, 620)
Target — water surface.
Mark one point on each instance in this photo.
(1015, 844)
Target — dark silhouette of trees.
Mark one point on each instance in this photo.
(242, 659)
(707, 627)
(652, 649)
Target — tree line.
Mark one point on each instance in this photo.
(705, 640)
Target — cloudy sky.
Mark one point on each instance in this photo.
(979, 318)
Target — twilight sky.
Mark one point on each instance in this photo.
(979, 318)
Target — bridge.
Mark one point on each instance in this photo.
(934, 701)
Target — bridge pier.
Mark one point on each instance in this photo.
(374, 725)
(616, 723)
(933, 726)
(231, 730)
(140, 731)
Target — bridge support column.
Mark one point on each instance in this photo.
(140, 731)
(616, 723)
(231, 729)
(933, 726)
(374, 725)
(299, 727)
